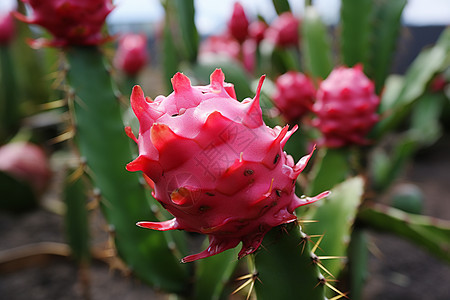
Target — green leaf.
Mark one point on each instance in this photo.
(281, 6)
(186, 22)
(170, 55)
(426, 232)
(335, 216)
(427, 63)
(102, 142)
(315, 45)
(76, 219)
(285, 267)
(356, 18)
(330, 168)
(212, 273)
(386, 26)
(385, 168)
(358, 254)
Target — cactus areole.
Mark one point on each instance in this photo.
(216, 167)
(71, 22)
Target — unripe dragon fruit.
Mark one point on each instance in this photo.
(294, 95)
(71, 22)
(216, 167)
(346, 107)
(131, 56)
(238, 23)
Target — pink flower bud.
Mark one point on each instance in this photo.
(256, 30)
(284, 31)
(238, 24)
(7, 28)
(131, 56)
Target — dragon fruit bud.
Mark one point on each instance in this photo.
(7, 28)
(346, 107)
(26, 162)
(294, 95)
(131, 55)
(238, 23)
(216, 167)
(71, 22)
(284, 31)
(256, 30)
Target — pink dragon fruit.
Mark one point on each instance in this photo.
(26, 162)
(216, 167)
(256, 30)
(238, 23)
(71, 22)
(284, 31)
(294, 95)
(7, 27)
(131, 55)
(346, 107)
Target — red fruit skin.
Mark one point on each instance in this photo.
(231, 180)
(71, 22)
(131, 56)
(294, 95)
(26, 162)
(7, 28)
(284, 31)
(257, 30)
(346, 107)
(238, 23)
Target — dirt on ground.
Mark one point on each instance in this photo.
(398, 269)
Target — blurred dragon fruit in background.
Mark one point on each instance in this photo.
(257, 30)
(131, 56)
(26, 162)
(284, 31)
(216, 167)
(238, 23)
(294, 95)
(71, 22)
(7, 27)
(346, 107)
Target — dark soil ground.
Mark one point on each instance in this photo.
(398, 269)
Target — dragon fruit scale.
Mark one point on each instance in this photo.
(294, 95)
(71, 22)
(216, 167)
(346, 107)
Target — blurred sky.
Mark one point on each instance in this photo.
(211, 16)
